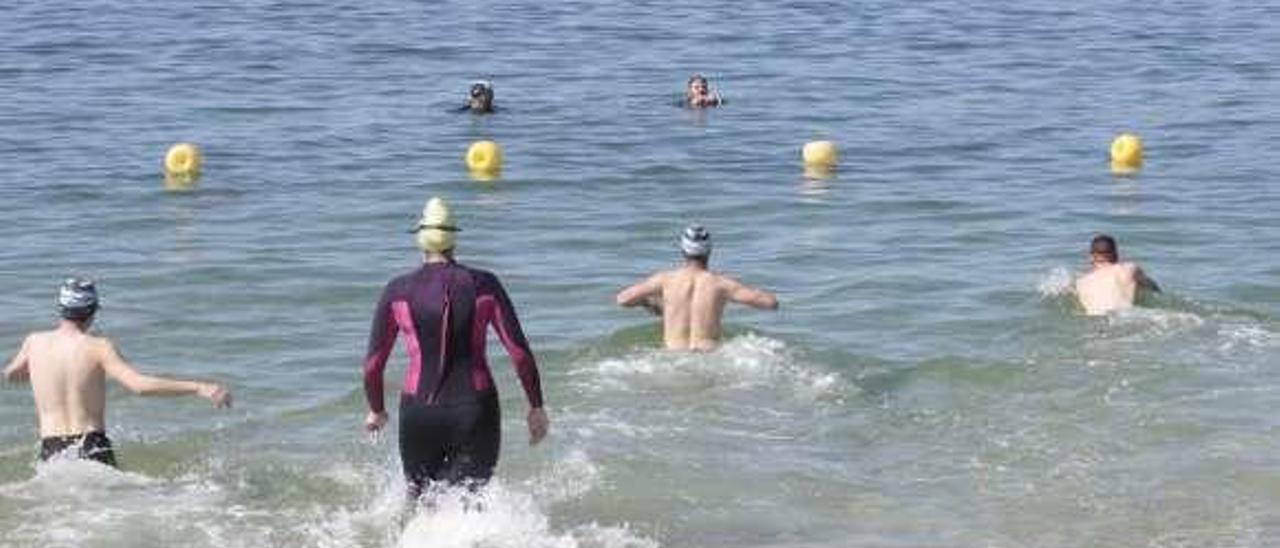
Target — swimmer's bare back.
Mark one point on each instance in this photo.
(692, 304)
(1112, 287)
(67, 368)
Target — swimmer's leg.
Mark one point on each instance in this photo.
(421, 447)
(473, 455)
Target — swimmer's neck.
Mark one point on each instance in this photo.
(432, 257)
(695, 264)
(73, 326)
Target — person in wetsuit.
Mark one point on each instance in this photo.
(449, 415)
(67, 367)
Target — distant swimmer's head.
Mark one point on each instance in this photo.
(1103, 250)
(698, 93)
(695, 243)
(436, 231)
(480, 98)
(77, 299)
(699, 85)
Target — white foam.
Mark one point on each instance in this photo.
(1154, 321)
(80, 503)
(509, 519)
(744, 362)
(1056, 283)
(1236, 337)
(567, 479)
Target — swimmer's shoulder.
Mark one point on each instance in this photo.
(1129, 269)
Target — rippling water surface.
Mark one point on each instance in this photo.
(927, 381)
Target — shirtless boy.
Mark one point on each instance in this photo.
(691, 298)
(1110, 284)
(67, 367)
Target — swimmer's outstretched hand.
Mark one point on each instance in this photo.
(374, 421)
(538, 425)
(216, 393)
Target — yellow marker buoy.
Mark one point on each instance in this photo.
(821, 155)
(182, 159)
(484, 158)
(1126, 153)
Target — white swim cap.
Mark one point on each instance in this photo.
(695, 241)
(436, 230)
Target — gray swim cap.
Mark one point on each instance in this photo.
(695, 241)
(77, 299)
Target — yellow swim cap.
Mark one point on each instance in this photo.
(820, 154)
(436, 230)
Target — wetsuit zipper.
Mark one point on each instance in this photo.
(444, 344)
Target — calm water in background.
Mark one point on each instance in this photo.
(926, 383)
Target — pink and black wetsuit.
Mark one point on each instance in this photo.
(449, 416)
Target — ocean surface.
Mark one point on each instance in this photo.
(928, 380)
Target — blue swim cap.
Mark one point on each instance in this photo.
(77, 299)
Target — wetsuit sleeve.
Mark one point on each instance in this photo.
(382, 338)
(513, 339)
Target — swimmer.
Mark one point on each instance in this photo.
(691, 299)
(699, 94)
(480, 98)
(449, 416)
(1110, 284)
(67, 366)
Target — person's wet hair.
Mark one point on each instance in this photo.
(1105, 245)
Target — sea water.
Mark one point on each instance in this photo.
(928, 380)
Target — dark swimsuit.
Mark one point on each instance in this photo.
(450, 427)
(91, 445)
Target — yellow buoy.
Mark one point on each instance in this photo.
(822, 155)
(182, 159)
(1126, 153)
(484, 158)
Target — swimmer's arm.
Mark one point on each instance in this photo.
(507, 324)
(750, 296)
(147, 385)
(19, 365)
(641, 293)
(382, 339)
(1145, 282)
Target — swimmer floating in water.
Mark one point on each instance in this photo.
(699, 95)
(66, 367)
(691, 298)
(1110, 284)
(480, 98)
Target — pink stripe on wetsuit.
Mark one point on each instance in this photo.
(444, 310)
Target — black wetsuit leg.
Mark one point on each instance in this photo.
(92, 445)
(453, 443)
